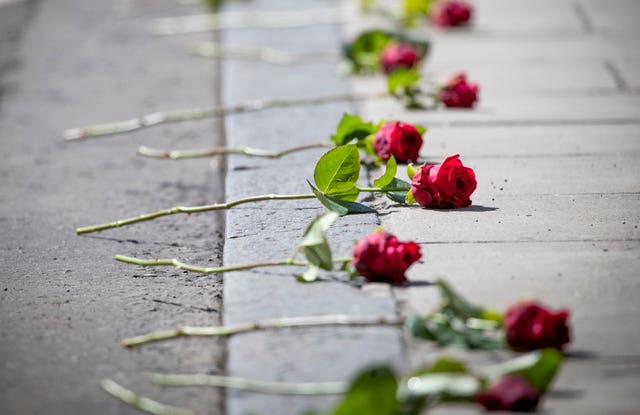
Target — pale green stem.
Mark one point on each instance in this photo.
(279, 323)
(188, 210)
(288, 388)
(140, 402)
(217, 206)
(215, 151)
(269, 55)
(260, 19)
(201, 113)
(212, 270)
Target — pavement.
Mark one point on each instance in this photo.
(65, 303)
(554, 143)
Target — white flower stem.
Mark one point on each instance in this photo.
(285, 388)
(264, 54)
(216, 151)
(217, 206)
(250, 18)
(279, 323)
(140, 402)
(157, 118)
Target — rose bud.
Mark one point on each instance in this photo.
(446, 185)
(450, 13)
(509, 393)
(397, 139)
(458, 93)
(380, 257)
(531, 326)
(398, 55)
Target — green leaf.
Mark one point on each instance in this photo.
(366, 144)
(352, 207)
(456, 303)
(352, 127)
(372, 392)
(401, 80)
(337, 172)
(310, 275)
(417, 6)
(399, 196)
(418, 328)
(409, 199)
(421, 129)
(328, 203)
(389, 173)
(341, 207)
(445, 364)
(411, 171)
(364, 52)
(450, 330)
(538, 368)
(314, 244)
(415, 11)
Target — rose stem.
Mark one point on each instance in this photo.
(214, 151)
(261, 19)
(201, 113)
(218, 206)
(140, 402)
(212, 270)
(286, 322)
(188, 210)
(269, 55)
(322, 388)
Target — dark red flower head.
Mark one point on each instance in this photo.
(380, 257)
(509, 393)
(399, 140)
(446, 185)
(450, 13)
(398, 55)
(458, 93)
(531, 326)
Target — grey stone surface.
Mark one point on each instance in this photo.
(65, 303)
(521, 109)
(554, 143)
(271, 230)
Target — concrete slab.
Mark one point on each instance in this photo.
(533, 141)
(518, 110)
(614, 17)
(554, 142)
(272, 230)
(534, 217)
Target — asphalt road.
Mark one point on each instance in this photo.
(65, 303)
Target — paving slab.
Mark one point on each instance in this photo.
(534, 141)
(272, 230)
(555, 217)
(518, 110)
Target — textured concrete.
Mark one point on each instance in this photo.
(65, 303)
(555, 144)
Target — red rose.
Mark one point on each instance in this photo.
(398, 55)
(445, 185)
(380, 257)
(458, 93)
(509, 393)
(450, 13)
(399, 140)
(530, 326)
